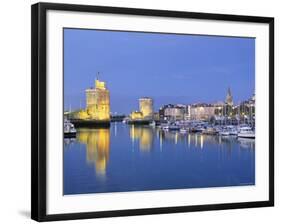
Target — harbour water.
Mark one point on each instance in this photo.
(126, 158)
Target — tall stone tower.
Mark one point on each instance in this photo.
(146, 107)
(229, 99)
(98, 102)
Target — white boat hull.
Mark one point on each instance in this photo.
(246, 135)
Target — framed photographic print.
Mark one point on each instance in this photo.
(139, 111)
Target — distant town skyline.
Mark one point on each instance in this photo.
(170, 68)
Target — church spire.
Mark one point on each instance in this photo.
(229, 91)
(229, 99)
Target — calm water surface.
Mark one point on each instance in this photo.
(137, 158)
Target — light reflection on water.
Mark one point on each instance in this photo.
(123, 155)
(97, 147)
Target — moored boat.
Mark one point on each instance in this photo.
(224, 132)
(152, 124)
(246, 132)
(183, 130)
(174, 127)
(197, 129)
(69, 129)
(232, 130)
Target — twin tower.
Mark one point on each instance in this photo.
(98, 105)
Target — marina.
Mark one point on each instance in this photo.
(242, 131)
(175, 146)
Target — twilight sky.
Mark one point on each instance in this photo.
(167, 67)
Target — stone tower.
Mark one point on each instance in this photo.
(146, 107)
(98, 102)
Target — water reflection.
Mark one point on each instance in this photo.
(204, 141)
(98, 141)
(144, 135)
(68, 142)
(97, 147)
(247, 143)
(124, 155)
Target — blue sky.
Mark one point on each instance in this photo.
(169, 68)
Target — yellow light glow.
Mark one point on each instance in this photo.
(146, 139)
(97, 147)
(201, 141)
(98, 103)
(99, 84)
(136, 115)
(144, 135)
(146, 107)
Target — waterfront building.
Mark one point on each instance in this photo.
(219, 108)
(245, 111)
(156, 116)
(162, 111)
(221, 112)
(187, 112)
(172, 112)
(202, 111)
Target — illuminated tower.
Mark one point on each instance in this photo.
(146, 107)
(98, 102)
(229, 99)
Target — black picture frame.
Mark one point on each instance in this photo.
(39, 98)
